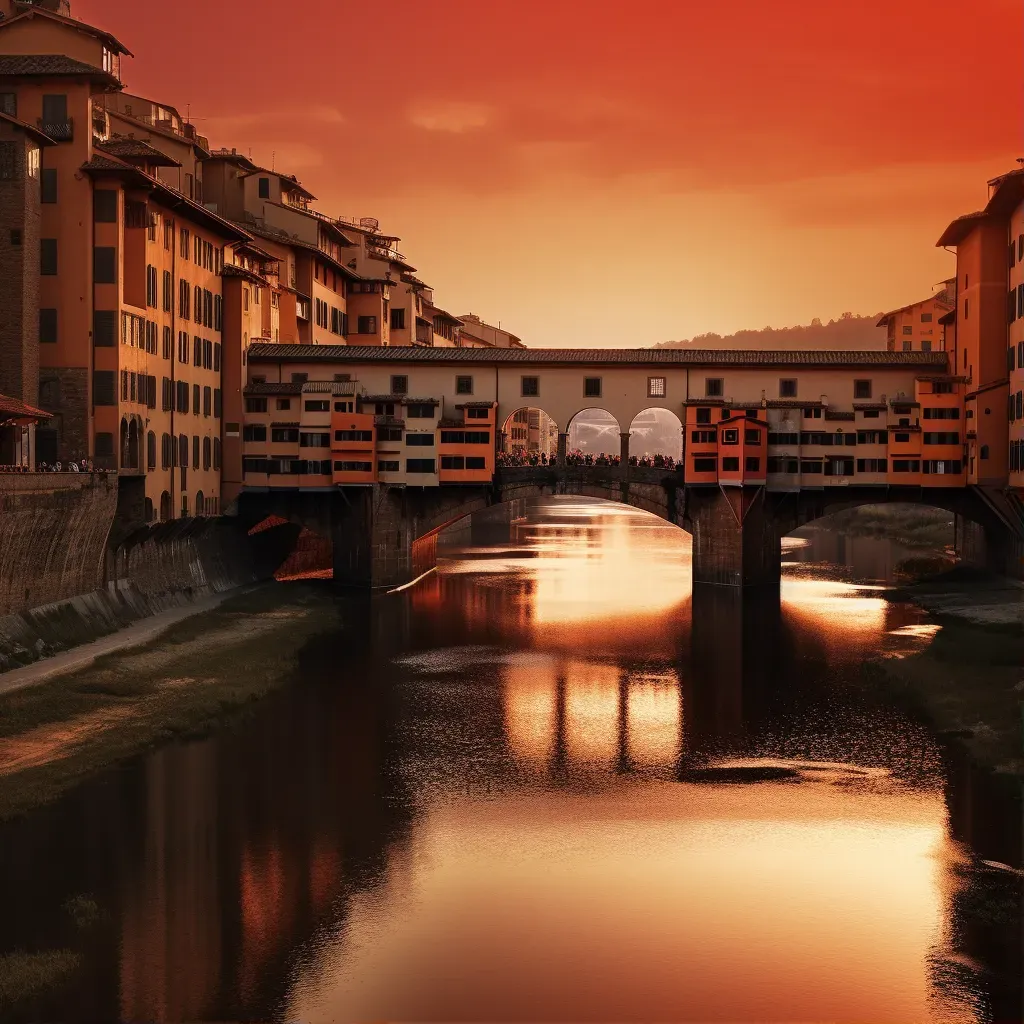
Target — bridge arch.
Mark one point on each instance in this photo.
(528, 430)
(656, 431)
(594, 431)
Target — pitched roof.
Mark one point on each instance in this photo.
(128, 149)
(52, 65)
(292, 182)
(12, 408)
(33, 133)
(935, 361)
(167, 196)
(81, 26)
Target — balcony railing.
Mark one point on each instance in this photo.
(59, 131)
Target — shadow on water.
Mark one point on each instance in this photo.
(445, 793)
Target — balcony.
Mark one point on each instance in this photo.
(59, 131)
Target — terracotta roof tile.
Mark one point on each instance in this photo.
(12, 407)
(52, 64)
(934, 361)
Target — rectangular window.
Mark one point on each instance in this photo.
(812, 466)
(872, 465)
(591, 387)
(419, 440)
(703, 415)
(317, 405)
(283, 404)
(10, 163)
(463, 385)
(752, 437)
(284, 435)
(354, 435)
(317, 440)
(388, 466)
(48, 185)
(104, 264)
(255, 403)
(48, 257)
(398, 319)
(453, 462)
(783, 437)
(906, 466)
(730, 464)
(104, 206)
(476, 462)
(389, 433)
(419, 411)
(254, 432)
(714, 387)
(366, 325)
(478, 414)
(656, 387)
(731, 436)
(941, 414)
(752, 464)
(104, 387)
(926, 318)
(787, 387)
(861, 389)
(9, 103)
(399, 384)
(420, 466)
(264, 188)
(47, 326)
(705, 465)
(530, 387)
(778, 464)
(942, 437)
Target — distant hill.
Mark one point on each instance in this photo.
(848, 332)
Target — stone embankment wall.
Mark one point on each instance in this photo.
(53, 535)
(63, 584)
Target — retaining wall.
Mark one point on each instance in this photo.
(60, 587)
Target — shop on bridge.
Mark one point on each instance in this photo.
(18, 423)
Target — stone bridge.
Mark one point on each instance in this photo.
(384, 536)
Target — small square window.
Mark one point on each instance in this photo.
(862, 389)
(284, 404)
(787, 387)
(655, 387)
(463, 385)
(714, 387)
(591, 387)
(400, 384)
(530, 387)
(908, 330)
(703, 415)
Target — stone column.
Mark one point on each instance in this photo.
(736, 541)
(624, 453)
(563, 440)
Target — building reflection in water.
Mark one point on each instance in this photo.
(548, 782)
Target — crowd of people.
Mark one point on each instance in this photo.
(72, 466)
(576, 457)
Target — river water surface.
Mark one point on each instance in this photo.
(547, 782)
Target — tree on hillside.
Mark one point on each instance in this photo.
(849, 332)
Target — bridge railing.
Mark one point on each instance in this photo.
(590, 474)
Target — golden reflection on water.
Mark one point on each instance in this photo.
(598, 886)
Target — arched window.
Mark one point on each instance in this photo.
(149, 510)
(151, 452)
(984, 451)
(183, 454)
(184, 506)
(165, 504)
(166, 454)
(207, 450)
(200, 504)
(216, 453)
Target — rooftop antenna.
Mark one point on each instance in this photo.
(273, 160)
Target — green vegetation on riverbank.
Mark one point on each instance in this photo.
(969, 682)
(181, 684)
(912, 526)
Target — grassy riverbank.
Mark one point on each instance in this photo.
(181, 684)
(911, 526)
(969, 681)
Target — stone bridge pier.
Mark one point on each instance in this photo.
(384, 536)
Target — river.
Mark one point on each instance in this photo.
(548, 782)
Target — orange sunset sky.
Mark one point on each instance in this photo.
(620, 173)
